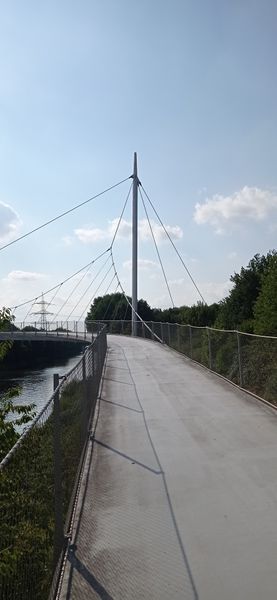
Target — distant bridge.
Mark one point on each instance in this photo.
(46, 336)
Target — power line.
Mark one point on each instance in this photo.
(171, 241)
(157, 250)
(112, 187)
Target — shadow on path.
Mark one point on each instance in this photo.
(88, 576)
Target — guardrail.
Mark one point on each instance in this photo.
(38, 481)
(247, 360)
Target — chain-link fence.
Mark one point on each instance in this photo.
(247, 360)
(38, 481)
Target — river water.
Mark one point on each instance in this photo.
(36, 385)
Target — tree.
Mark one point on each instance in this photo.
(265, 310)
(237, 310)
(202, 315)
(12, 416)
(115, 307)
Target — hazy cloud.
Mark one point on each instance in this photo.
(90, 235)
(9, 222)
(248, 203)
(143, 264)
(24, 276)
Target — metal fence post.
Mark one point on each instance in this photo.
(152, 331)
(58, 503)
(85, 410)
(239, 360)
(210, 349)
(162, 332)
(190, 340)
(178, 336)
(168, 334)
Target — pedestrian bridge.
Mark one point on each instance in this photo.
(178, 496)
(46, 336)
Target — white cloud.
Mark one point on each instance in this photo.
(185, 294)
(174, 231)
(23, 276)
(248, 203)
(9, 222)
(90, 235)
(215, 291)
(178, 282)
(143, 264)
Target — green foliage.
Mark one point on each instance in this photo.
(6, 320)
(12, 416)
(265, 309)
(115, 307)
(200, 314)
(27, 494)
(237, 310)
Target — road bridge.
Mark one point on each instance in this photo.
(179, 491)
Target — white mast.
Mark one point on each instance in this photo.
(135, 248)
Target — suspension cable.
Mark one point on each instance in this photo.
(88, 287)
(129, 303)
(111, 298)
(174, 246)
(55, 294)
(156, 246)
(121, 216)
(71, 293)
(92, 298)
(110, 248)
(112, 187)
(109, 285)
(87, 266)
(126, 311)
(32, 300)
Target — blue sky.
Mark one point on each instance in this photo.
(191, 86)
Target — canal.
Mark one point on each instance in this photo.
(36, 385)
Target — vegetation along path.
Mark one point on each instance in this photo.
(179, 494)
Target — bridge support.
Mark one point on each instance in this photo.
(135, 248)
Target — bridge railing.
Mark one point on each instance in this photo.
(39, 478)
(59, 328)
(249, 361)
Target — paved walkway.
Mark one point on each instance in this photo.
(179, 497)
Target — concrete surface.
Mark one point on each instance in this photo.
(179, 494)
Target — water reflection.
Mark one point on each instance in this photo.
(36, 384)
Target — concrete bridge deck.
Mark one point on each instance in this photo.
(179, 494)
